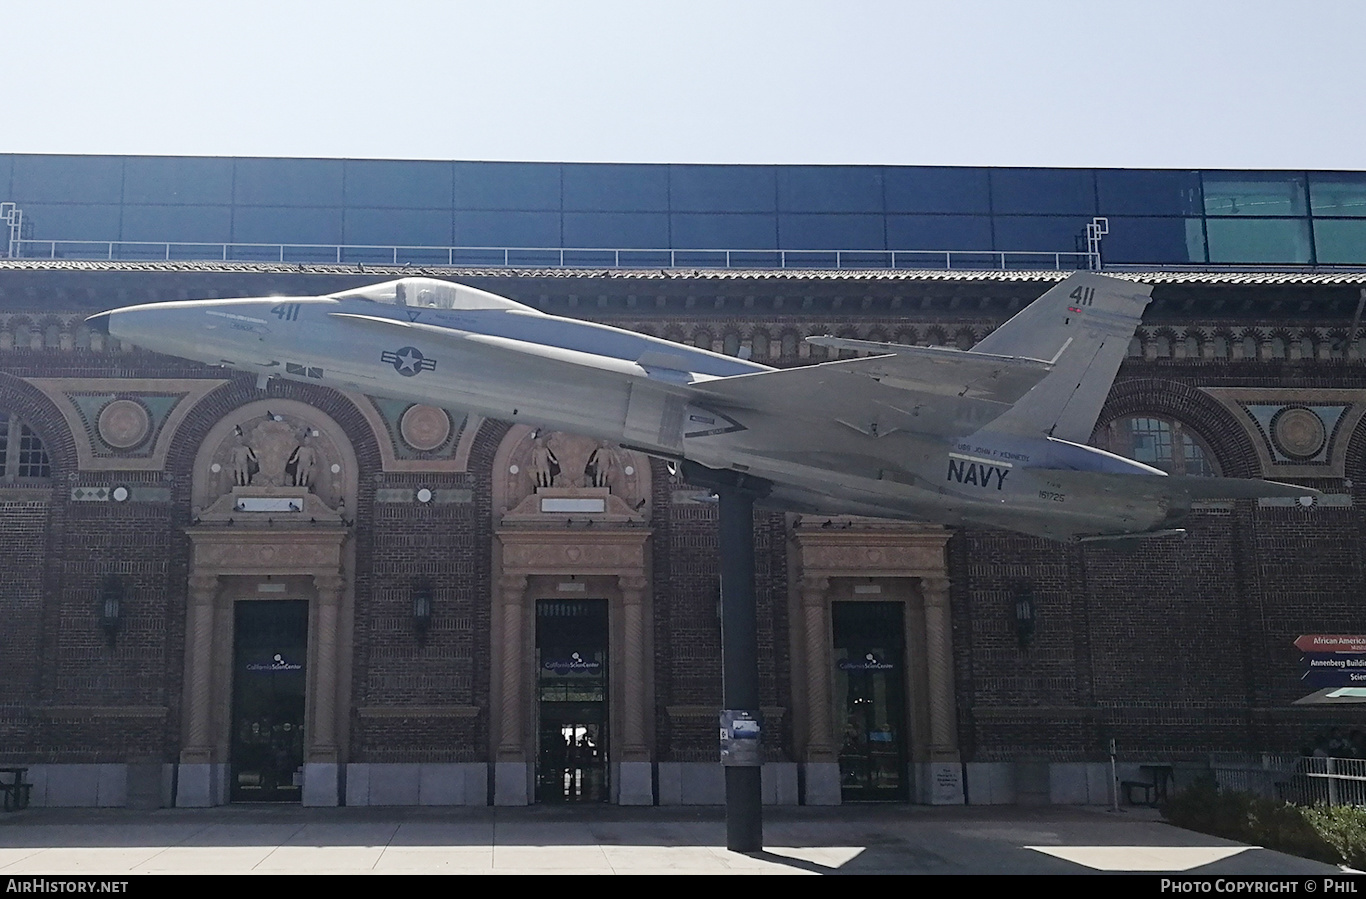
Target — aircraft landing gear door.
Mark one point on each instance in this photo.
(571, 684)
(870, 698)
(269, 678)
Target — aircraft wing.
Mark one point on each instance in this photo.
(495, 347)
(930, 390)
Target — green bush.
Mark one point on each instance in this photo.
(1334, 835)
(1344, 828)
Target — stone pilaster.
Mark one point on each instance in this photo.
(942, 778)
(820, 740)
(198, 779)
(634, 780)
(939, 659)
(511, 741)
(634, 669)
(323, 744)
(321, 763)
(198, 746)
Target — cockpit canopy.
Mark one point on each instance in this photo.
(429, 293)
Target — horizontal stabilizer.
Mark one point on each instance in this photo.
(1189, 487)
(1237, 488)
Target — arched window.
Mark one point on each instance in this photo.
(1161, 442)
(760, 344)
(22, 454)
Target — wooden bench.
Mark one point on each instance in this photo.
(16, 790)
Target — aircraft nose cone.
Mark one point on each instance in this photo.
(99, 323)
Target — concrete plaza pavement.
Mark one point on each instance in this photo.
(613, 840)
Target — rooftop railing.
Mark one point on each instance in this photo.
(549, 257)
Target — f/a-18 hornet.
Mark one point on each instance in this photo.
(995, 435)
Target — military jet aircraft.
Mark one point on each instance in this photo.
(995, 435)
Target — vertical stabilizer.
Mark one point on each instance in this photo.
(1085, 325)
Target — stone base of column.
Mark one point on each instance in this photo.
(417, 783)
(322, 787)
(940, 783)
(635, 783)
(201, 785)
(512, 783)
(822, 783)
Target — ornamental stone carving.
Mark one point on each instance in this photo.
(560, 465)
(124, 424)
(273, 452)
(567, 551)
(1298, 432)
(425, 428)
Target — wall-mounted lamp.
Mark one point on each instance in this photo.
(1025, 616)
(111, 606)
(422, 608)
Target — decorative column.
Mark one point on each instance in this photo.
(945, 774)
(512, 774)
(635, 781)
(634, 674)
(820, 743)
(321, 772)
(197, 784)
(822, 763)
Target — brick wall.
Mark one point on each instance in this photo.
(1175, 648)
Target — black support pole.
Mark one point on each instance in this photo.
(740, 660)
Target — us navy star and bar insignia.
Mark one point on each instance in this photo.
(408, 361)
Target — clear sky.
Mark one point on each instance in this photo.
(1167, 83)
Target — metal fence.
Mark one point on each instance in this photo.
(550, 257)
(1303, 780)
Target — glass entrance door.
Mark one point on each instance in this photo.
(269, 677)
(870, 696)
(571, 684)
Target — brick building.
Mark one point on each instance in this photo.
(419, 635)
(476, 613)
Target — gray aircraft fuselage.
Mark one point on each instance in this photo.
(455, 347)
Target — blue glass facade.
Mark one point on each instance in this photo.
(1156, 217)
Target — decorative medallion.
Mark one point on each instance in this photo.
(1298, 432)
(425, 428)
(124, 424)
